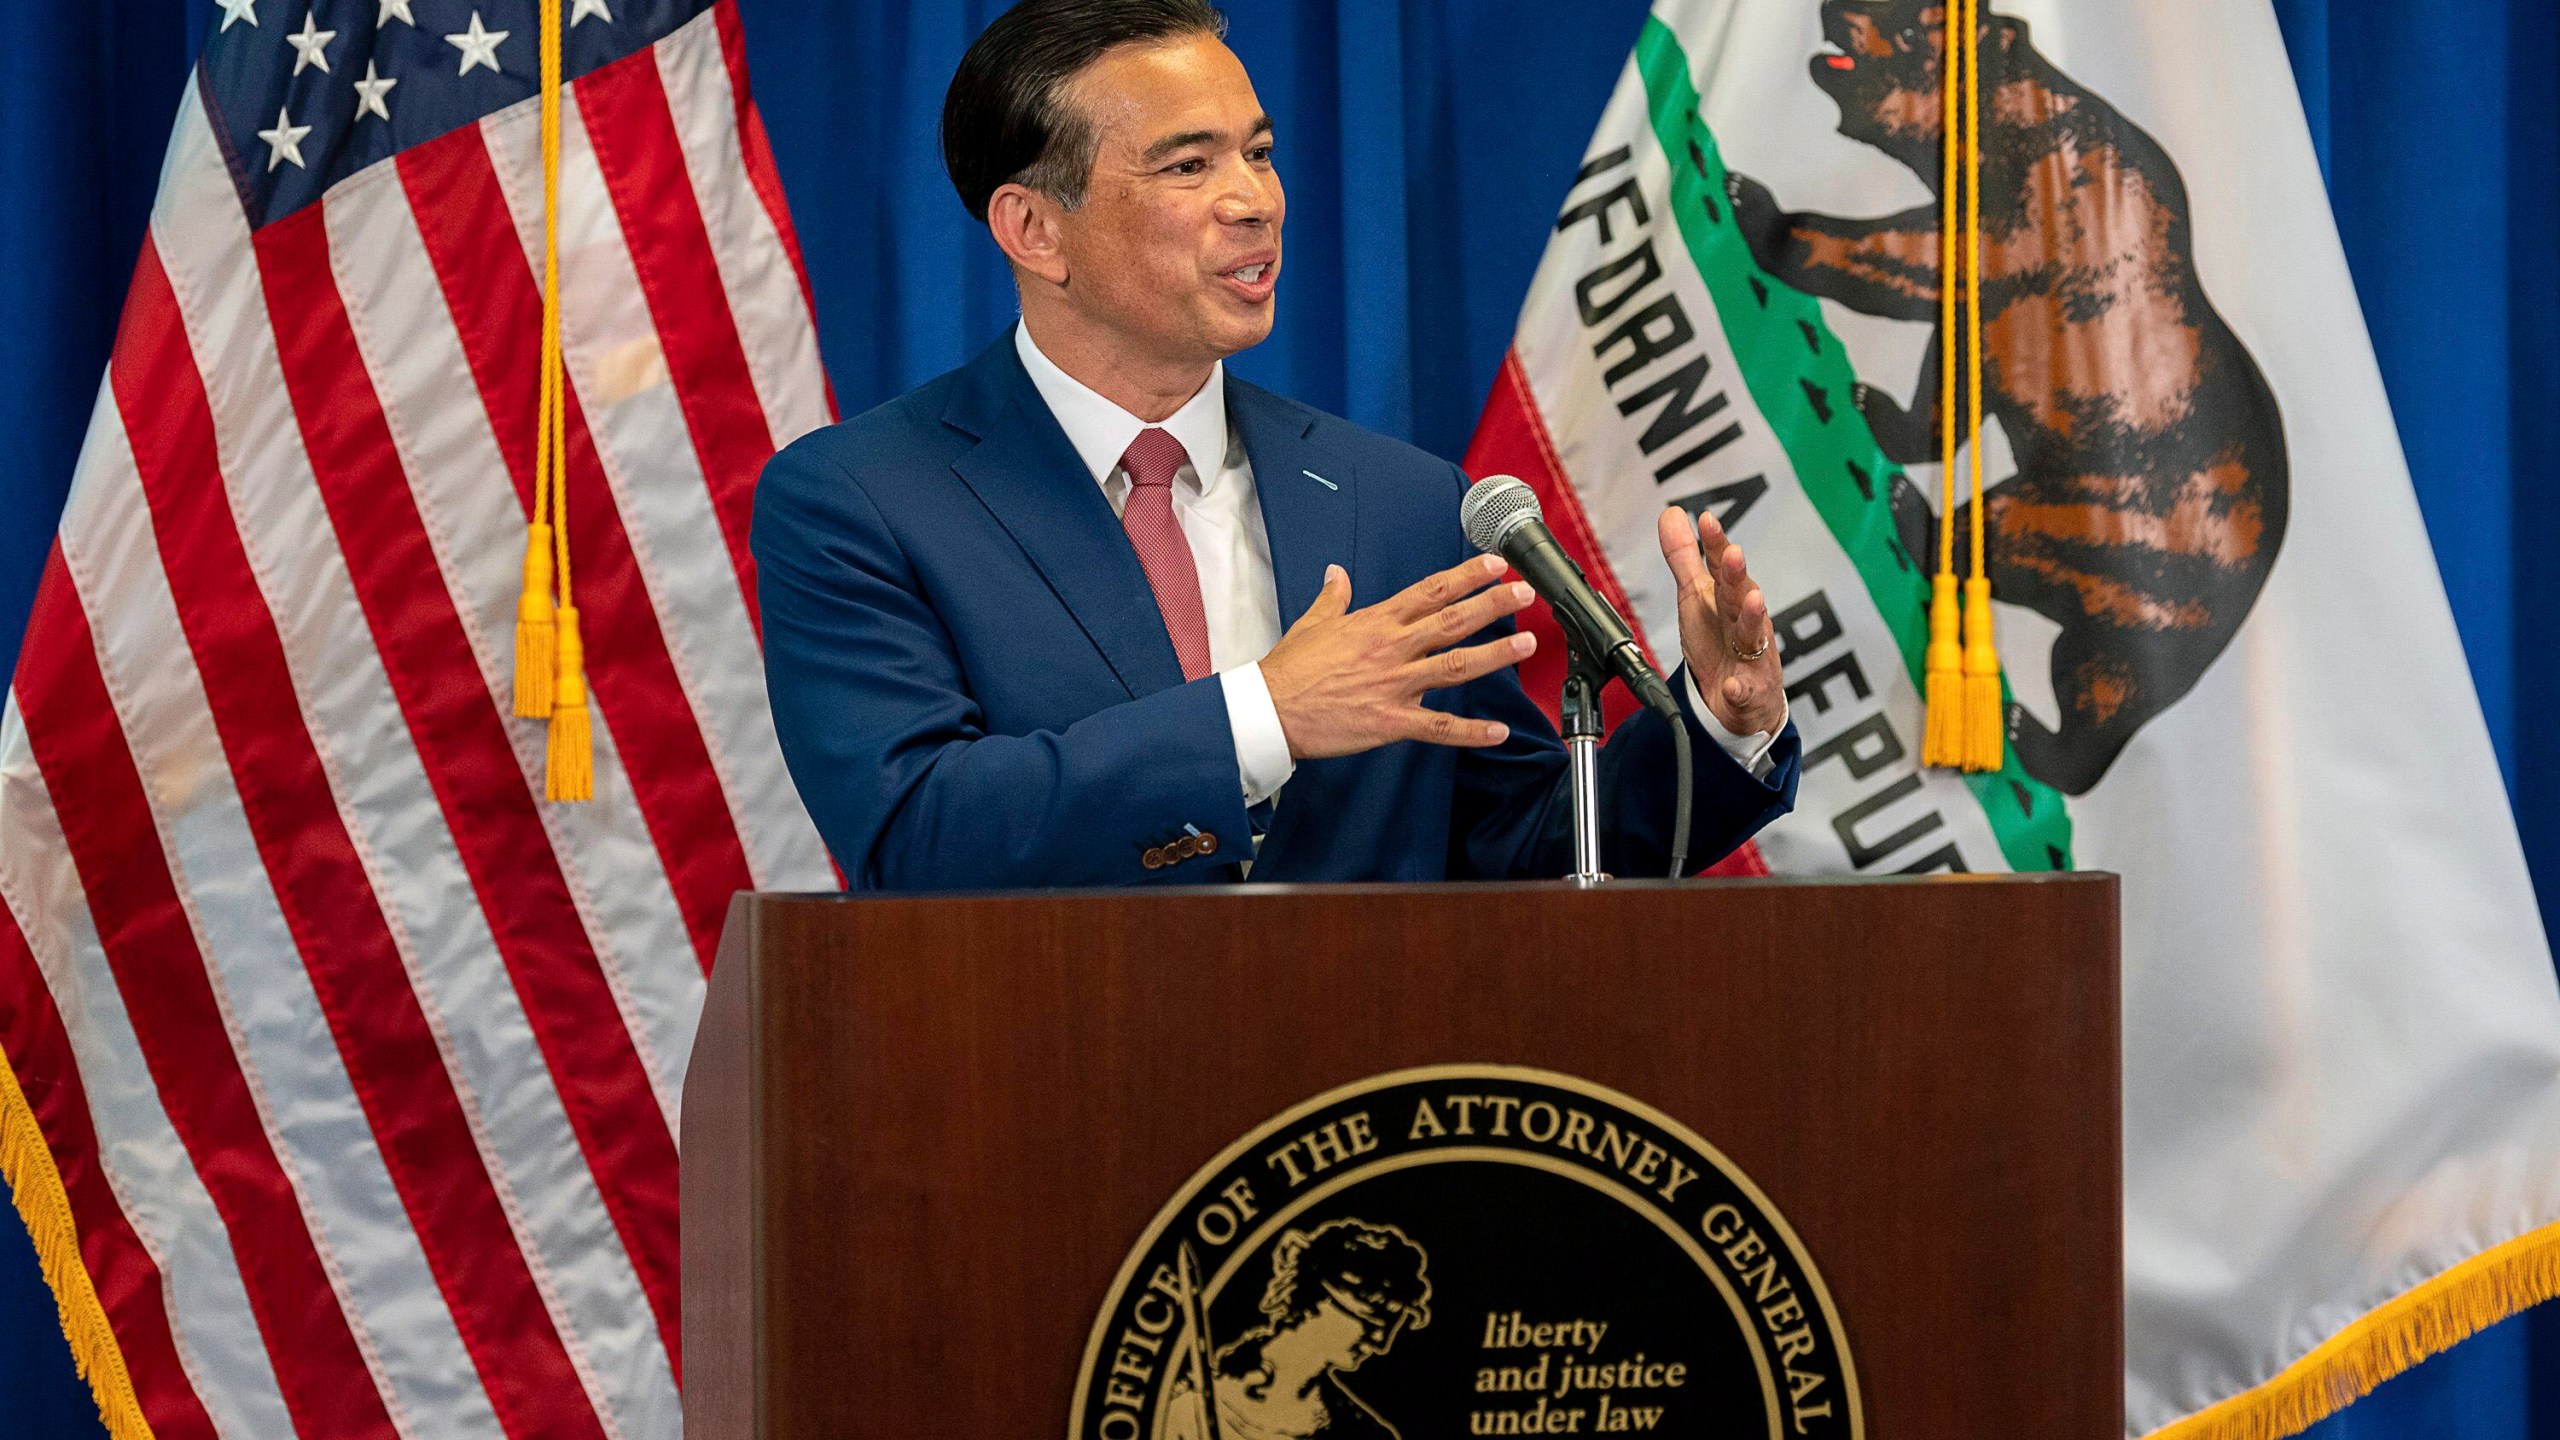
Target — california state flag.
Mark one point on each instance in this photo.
(2232, 675)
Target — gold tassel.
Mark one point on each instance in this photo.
(1986, 729)
(535, 651)
(1943, 735)
(35, 1184)
(1942, 742)
(551, 660)
(569, 770)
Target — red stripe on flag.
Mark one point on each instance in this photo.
(1745, 863)
(1512, 439)
(497, 309)
(462, 743)
(633, 132)
(120, 1269)
(762, 174)
(328, 902)
(108, 826)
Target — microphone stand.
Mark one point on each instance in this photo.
(1583, 728)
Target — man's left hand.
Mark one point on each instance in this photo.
(1724, 625)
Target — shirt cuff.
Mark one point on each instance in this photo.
(1262, 747)
(1751, 752)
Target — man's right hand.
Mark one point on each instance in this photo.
(1345, 681)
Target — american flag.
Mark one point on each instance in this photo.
(349, 1066)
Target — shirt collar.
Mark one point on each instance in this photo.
(1101, 431)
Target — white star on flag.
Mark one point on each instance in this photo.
(310, 46)
(584, 8)
(239, 10)
(478, 46)
(395, 10)
(369, 93)
(285, 141)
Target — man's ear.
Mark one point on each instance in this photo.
(1026, 225)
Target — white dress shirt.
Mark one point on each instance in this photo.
(1215, 503)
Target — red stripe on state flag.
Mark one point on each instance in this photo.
(762, 174)
(496, 306)
(121, 1271)
(320, 882)
(151, 949)
(1745, 863)
(490, 811)
(633, 133)
(1512, 439)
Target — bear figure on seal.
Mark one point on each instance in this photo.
(2151, 490)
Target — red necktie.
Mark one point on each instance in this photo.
(1151, 461)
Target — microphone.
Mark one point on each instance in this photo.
(1501, 517)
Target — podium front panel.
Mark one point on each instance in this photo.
(921, 1136)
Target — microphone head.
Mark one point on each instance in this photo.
(1495, 506)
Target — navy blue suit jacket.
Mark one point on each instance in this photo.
(974, 689)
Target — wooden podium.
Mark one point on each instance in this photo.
(920, 1136)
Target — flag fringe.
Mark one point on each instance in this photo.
(2438, 1314)
(26, 1166)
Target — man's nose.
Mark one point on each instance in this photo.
(1252, 198)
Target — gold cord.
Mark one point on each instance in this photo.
(1966, 709)
(1986, 739)
(550, 671)
(1942, 741)
(569, 748)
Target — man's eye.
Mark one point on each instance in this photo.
(1259, 154)
(1192, 166)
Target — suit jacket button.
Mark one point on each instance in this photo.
(1186, 847)
(1153, 859)
(1208, 844)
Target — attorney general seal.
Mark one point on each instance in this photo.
(1467, 1250)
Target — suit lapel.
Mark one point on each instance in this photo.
(1310, 509)
(1309, 495)
(1026, 474)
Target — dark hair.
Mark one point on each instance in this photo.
(1006, 120)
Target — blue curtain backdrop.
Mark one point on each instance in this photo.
(1425, 144)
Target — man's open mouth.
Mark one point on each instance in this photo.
(1837, 60)
(1254, 280)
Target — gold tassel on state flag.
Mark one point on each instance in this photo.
(551, 673)
(1986, 728)
(1967, 711)
(1942, 739)
(1986, 740)
(1943, 742)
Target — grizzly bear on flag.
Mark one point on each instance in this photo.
(2151, 493)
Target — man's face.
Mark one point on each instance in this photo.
(1176, 248)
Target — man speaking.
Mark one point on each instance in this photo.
(1023, 625)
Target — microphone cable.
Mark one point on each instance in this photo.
(1680, 801)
